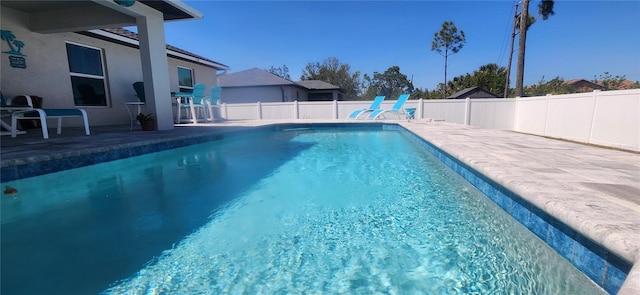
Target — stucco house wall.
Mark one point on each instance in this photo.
(47, 72)
(272, 93)
(252, 94)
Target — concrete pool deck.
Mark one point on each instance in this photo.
(593, 190)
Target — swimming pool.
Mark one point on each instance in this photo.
(298, 210)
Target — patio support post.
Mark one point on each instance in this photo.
(155, 74)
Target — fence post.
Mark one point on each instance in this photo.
(335, 109)
(224, 109)
(420, 108)
(593, 114)
(259, 109)
(546, 114)
(516, 124)
(467, 110)
(296, 111)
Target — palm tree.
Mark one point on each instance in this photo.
(9, 37)
(545, 9)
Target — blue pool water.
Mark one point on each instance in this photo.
(296, 211)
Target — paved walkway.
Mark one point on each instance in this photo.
(596, 191)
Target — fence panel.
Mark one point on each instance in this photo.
(316, 110)
(492, 113)
(240, 111)
(278, 110)
(569, 116)
(531, 115)
(616, 119)
(449, 110)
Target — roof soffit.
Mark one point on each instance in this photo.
(45, 15)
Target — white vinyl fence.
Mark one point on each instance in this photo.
(609, 118)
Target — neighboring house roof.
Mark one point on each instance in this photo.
(472, 92)
(589, 85)
(317, 85)
(628, 84)
(259, 77)
(582, 83)
(252, 77)
(129, 38)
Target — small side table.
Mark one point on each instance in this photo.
(133, 104)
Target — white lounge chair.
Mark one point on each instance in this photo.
(31, 113)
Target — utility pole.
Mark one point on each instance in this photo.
(513, 37)
(522, 43)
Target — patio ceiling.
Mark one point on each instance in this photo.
(72, 16)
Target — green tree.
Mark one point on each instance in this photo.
(332, 71)
(282, 72)
(447, 42)
(490, 77)
(555, 86)
(421, 93)
(545, 9)
(391, 83)
(610, 82)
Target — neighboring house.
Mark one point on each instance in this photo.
(86, 61)
(472, 92)
(258, 85)
(582, 85)
(321, 90)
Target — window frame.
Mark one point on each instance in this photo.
(186, 88)
(102, 76)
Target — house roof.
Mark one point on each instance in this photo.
(584, 83)
(129, 38)
(317, 85)
(625, 84)
(252, 77)
(469, 91)
(260, 77)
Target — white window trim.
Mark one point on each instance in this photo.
(193, 78)
(103, 77)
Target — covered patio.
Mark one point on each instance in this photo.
(54, 17)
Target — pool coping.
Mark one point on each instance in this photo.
(594, 233)
(618, 239)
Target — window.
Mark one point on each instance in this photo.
(185, 79)
(87, 75)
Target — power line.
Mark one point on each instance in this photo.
(506, 36)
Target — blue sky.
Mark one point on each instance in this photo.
(582, 40)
